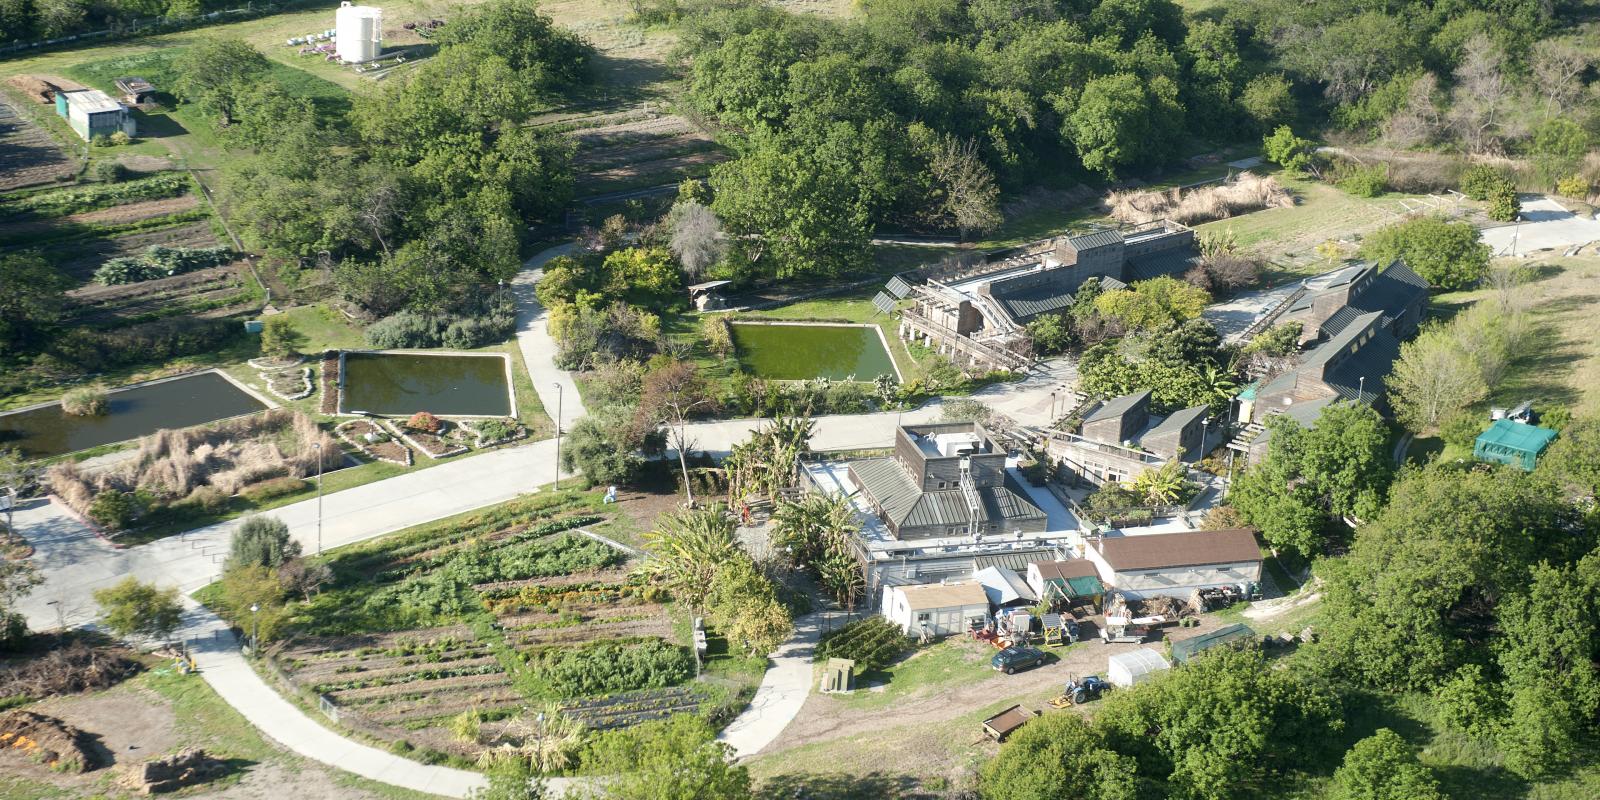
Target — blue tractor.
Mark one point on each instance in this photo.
(1077, 692)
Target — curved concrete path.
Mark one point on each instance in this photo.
(782, 692)
(538, 349)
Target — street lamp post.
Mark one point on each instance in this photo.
(255, 638)
(559, 399)
(1361, 389)
(318, 447)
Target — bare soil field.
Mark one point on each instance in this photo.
(28, 155)
(649, 173)
(642, 152)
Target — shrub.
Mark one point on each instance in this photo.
(1573, 186)
(279, 338)
(261, 542)
(272, 487)
(140, 609)
(611, 667)
(1481, 182)
(406, 329)
(85, 401)
(1365, 181)
(13, 632)
(1448, 255)
(119, 138)
(1503, 205)
(425, 422)
(873, 643)
(108, 171)
(101, 141)
(466, 333)
(1461, 429)
(209, 499)
(494, 430)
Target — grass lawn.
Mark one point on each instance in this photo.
(955, 660)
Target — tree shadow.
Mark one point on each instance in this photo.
(839, 786)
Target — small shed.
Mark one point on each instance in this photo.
(1135, 667)
(1186, 649)
(937, 609)
(1068, 580)
(707, 296)
(1005, 587)
(135, 91)
(836, 676)
(1508, 441)
(92, 113)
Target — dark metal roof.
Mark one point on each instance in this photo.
(905, 505)
(1177, 421)
(1117, 406)
(1089, 241)
(1164, 262)
(1026, 304)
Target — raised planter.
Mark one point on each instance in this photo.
(331, 375)
(290, 384)
(354, 432)
(274, 363)
(518, 431)
(431, 445)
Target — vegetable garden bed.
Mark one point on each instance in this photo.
(355, 433)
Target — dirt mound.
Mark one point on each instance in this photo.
(46, 740)
(44, 91)
(185, 768)
(72, 669)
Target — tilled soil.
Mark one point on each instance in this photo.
(115, 215)
(28, 155)
(82, 260)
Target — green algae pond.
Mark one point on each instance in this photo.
(797, 352)
(45, 431)
(401, 384)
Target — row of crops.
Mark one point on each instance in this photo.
(486, 617)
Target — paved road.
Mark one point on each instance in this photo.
(1546, 225)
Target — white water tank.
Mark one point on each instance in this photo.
(359, 31)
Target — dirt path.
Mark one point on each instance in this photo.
(825, 718)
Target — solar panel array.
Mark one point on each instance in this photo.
(883, 302)
(898, 287)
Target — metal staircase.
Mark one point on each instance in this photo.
(970, 492)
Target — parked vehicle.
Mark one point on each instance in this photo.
(1078, 692)
(1014, 659)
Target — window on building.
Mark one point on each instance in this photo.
(922, 618)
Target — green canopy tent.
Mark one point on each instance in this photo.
(1510, 442)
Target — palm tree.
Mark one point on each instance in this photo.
(1163, 486)
(688, 546)
(1218, 383)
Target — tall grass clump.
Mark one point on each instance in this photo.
(86, 401)
(1244, 193)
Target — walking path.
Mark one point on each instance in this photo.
(538, 349)
(225, 669)
(782, 692)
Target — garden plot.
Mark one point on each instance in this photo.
(28, 156)
(81, 259)
(639, 147)
(485, 617)
(213, 292)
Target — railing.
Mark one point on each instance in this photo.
(1103, 447)
(996, 354)
(1270, 317)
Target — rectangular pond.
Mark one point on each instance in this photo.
(401, 384)
(797, 352)
(45, 431)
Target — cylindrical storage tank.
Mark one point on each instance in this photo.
(359, 31)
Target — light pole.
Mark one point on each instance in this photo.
(318, 447)
(559, 398)
(1361, 389)
(255, 638)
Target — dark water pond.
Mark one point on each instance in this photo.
(142, 410)
(396, 384)
(803, 352)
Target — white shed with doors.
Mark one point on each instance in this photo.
(936, 609)
(1135, 667)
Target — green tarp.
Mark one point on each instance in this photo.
(1510, 442)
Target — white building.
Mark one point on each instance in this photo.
(1175, 564)
(1135, 667)
(940, 609)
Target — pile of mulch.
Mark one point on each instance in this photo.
(330, 382)
(46, 740)
(78, 667)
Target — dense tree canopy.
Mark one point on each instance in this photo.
(1340, 467)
